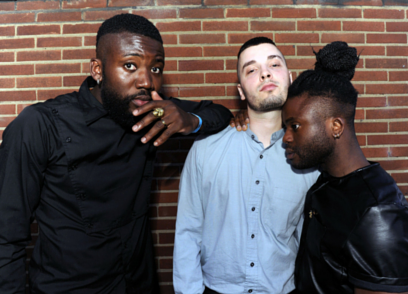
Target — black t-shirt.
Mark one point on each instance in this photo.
(355, 235)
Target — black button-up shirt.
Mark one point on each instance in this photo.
(87, 182)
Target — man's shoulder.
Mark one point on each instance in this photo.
(219, 138)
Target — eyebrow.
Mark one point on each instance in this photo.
(159, 58)
(253, 61)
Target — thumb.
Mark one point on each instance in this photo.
(156, 97)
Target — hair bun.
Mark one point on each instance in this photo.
(337, 58)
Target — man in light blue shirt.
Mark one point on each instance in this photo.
(240, 203)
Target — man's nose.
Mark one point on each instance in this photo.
(144, 79)
(265, 73)
(287, 137)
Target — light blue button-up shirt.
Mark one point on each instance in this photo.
(239, 216)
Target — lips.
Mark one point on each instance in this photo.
(290, 154)
(268, 87)
(141, 100)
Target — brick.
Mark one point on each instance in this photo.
(398, 151)
(221, 78)
(191, 65)
(7, 108)
(38, 30)
(6, 56)
(183, 52)
(7, 6)
(386, 89)
(170, 91)
(398, 101)
(5, 121)
(296, 38)
(386, 63)
(273, 26)
(178, 2)
(166, 289)
(304, 63)
(384, 13)
(398, 76)
(171, 65)
(134, 3)
(398, 126)
(387, 113)
(13, 70)
(397, 26)
(307, 50)
(235, 103)
(58, 16)
(172, 184)
(231, 64)
(17, 18)
(397, 50)
(359, 87)
(319, 25)
(165, 277)
(164, 197)
(156, 13)
(317, 2)
(167, 211)
(370, 76)
(400, 177)
(39, 82)
(242, 38)
(371, 127)
(73, 81)
(293, 12)
(202, 39)
(78, 4)
(387, 38)
(395, 2)
(225, 2)
(387, 139)
(339, 13)
(59, 42)
(78, 54)
(7, 31)
(101, 14)
(404, 190)
(221, 51)
(393, 164)
(57, 68)
(375, 152)
(370, 50)
(16, 95)
(202, 13)
(168, 170)
(202, 91)
(366, 26)
(361, 2)
(80, 28)
(39, 55)
(169, 39)
(232, 91)
(17, 43)
(38, 5)
(180, 26)
(346, 37)
(273, 2)
(47, 94)
(163, 224)
(21, 106)
(166, 263)
(90, 40)
(225, 26)
(191, 78)
(248, 12)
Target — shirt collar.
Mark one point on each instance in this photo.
(93, 109)
(274, 138)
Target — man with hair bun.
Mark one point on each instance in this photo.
(355, 234)
(75, 164)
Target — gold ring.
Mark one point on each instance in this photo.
(164, 123)
(158, 112)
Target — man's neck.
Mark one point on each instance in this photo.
(264, 124)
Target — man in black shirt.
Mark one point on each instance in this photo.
(355, 233)
(75, 164)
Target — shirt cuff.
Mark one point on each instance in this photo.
(200, 122)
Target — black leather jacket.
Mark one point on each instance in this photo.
(355, 235)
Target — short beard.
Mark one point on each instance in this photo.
(269, 104)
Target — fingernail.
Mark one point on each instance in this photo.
(135, 112)
(143, 139)
(135, 128)
(155, 144)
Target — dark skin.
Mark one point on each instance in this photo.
(300, 120)
(133, 63)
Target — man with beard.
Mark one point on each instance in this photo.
(75, 164)
(355, 234)
(240, 203)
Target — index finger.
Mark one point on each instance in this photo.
(149, 106)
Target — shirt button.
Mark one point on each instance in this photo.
(252, 236)
(261, 156)
(250, 291)
(68, 139)
(257, 182)
(252, 264)
(55, 111)
(253, 137)
(253, 208)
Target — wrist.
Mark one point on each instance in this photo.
(200, 122)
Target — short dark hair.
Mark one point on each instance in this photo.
(254, 42)
(131, 23)
(330, 80)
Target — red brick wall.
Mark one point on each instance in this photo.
(45, 47)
